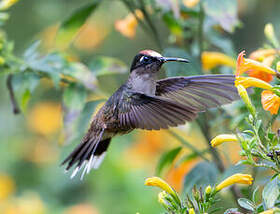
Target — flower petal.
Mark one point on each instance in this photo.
(218, 140)
(270, 101)
(235, 179)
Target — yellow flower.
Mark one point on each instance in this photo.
(270, 101)
(191, 211)
(247, 82)
(263, 75)
(158, 182)
(278, 66)
(2, 60)
(82, 209)
(245, 65)
(7, 186)
(190, 3)
(270, 34)
(270, 211)
(30, 203)
(269, 30)
(245, 97)
(235, 179)
(218, 140)
(213, 59)
(97, 30)
(45, 118)
(6, 4)
(208, 190)
(127, 26)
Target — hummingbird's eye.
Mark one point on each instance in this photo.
(144, 59)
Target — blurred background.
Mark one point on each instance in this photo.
(33, 143)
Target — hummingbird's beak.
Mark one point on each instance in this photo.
(173, 59)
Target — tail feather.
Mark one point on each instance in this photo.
(88, 155)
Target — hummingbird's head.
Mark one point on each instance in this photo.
(151, 61)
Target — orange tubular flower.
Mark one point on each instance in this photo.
(190, 3)
(246, 65)
(263, 75)
(270, 101)
(261, 54)
(127, 26)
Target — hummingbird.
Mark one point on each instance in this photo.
(146, 102)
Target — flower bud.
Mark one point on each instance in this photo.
(245, 97)
(235, 179)
(208, 190)
(218, 140)
(2, 61)
(158, 182)
(270, 34)
(191, 211)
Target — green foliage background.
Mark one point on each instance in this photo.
(116, 187)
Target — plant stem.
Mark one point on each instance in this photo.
(151, 24)
(187, 144)
(132, 8)
(16, 109)
(200, 30)
(204, 127)
(266, 166)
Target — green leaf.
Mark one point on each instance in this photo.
(32, 51)
(166, 159)
(173, 24)
(70, 26)
(24, 83)
(246, 204)
(191, 156)
(270, 193)
(181, 69)
(25, 99)
(244, 162)
(224, 12)
(74, 97)
(202, 174)
(254, 194)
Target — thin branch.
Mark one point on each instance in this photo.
(200, 30)
(150, 23)
(187, 144)
(205, 131)
(130, 7)
(16, 109)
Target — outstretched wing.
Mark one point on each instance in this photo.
(137, 110)
(199, 92)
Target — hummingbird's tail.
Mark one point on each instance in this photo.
(88, 154)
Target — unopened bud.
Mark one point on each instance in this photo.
(2, 61)
(191, 211)
(161, 197)
(278, 66)
(208, 190)
(270, 35)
